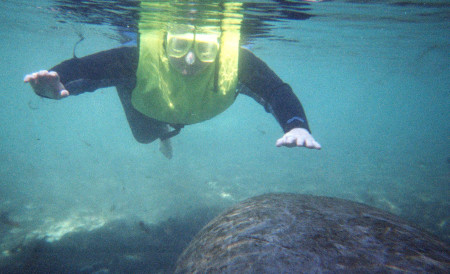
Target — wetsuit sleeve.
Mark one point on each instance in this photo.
(103, 69)
(262, 84)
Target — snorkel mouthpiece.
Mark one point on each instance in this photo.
(190, 58)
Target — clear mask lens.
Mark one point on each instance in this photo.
(180, 40)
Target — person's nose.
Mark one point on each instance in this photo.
(190, 58)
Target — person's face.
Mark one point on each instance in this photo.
(191, 50)
(188, 64)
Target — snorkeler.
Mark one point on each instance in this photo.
(179, 75)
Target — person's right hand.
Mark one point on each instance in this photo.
(47, 84)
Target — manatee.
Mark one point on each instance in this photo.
(296, 233)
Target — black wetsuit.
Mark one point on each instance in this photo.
(117, 67)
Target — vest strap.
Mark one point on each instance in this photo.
(176, 130)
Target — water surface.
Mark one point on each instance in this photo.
(373, 77)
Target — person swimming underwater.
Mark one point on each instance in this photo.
(177, 75)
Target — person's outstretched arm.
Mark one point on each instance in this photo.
(86, 74)
(277, 97)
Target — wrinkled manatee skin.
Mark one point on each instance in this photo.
(295, 233)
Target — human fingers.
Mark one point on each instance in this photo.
(33, 77)
(312, 144)
(290, 141)
(47, 84)
(286, 141)
(279, 142)
(282, 142)
(316, 145)
(63, 93)
(53, 74)
(28, 78)
(301, 141)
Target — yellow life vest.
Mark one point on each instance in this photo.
(164, 94)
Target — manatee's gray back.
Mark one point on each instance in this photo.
(291, 233)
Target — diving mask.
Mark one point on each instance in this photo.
(182, 38)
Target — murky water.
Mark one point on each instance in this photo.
(372, 76)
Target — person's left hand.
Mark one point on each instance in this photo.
(298, 137)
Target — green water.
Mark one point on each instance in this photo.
(372, 77)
